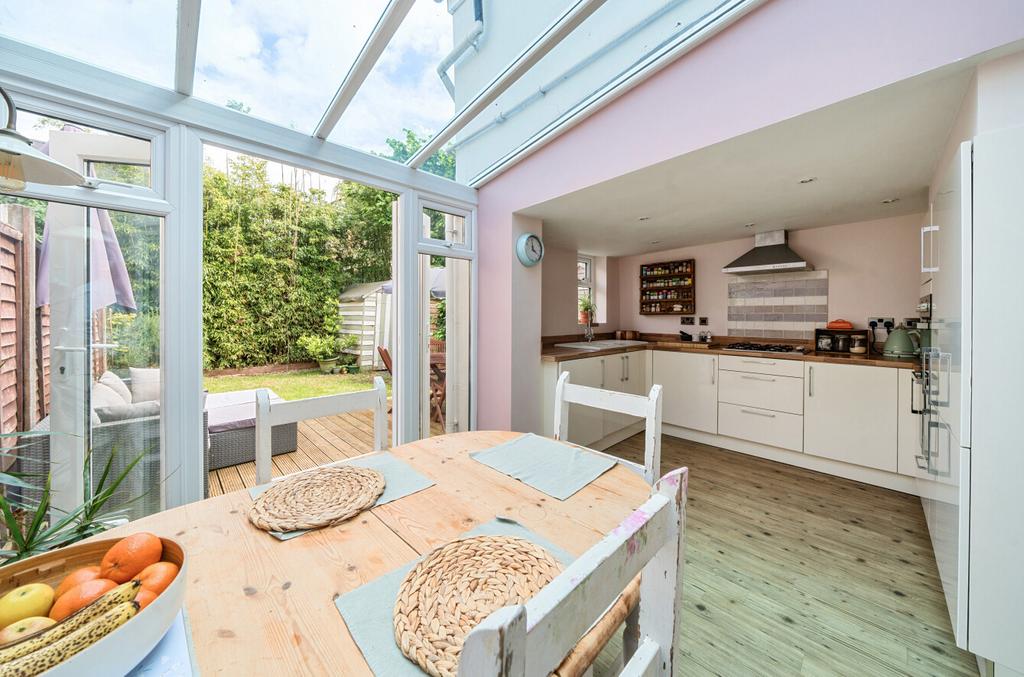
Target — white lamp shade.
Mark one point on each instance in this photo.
(21, 163)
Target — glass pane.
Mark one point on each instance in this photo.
(582, 293)
(403, 101)
(445, 330)
(443, 226)
(280, 61)
(582, 271)
(80, 310)
(91, 151)
(133, 37)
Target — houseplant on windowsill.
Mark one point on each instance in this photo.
(349, 344)
(323, 349)
(587, 310)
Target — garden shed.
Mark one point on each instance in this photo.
(366, 313)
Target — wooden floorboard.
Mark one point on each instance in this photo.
(793, 572)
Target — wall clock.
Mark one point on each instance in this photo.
(529, 249)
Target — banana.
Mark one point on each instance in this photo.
(125, 592)
(63, 649)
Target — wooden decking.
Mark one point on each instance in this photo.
(321, 441)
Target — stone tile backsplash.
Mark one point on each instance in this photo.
(778, 305)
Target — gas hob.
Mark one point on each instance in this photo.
(765, 347)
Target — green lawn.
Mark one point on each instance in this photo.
(296, 385)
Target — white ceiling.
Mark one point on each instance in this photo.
(873, 147)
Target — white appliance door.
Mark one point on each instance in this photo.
(996, 604)
(948, 368)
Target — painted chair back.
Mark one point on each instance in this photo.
(648, 408)
(534, 639)
(270, 414)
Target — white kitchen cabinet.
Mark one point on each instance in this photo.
(689, 394)
(586, 424)
(850, 413)
(764, 391)
(773, 428)
(625, 373)
(773, 366)
(909, 426)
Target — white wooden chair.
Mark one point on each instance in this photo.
(648, 408)
(552, 629)
(270, 414)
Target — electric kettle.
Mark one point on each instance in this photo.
(902, 342)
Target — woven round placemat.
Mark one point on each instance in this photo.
(317, 498)
(458, 585)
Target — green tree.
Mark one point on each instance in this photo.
(441, 163)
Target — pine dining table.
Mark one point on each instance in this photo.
(258, 605)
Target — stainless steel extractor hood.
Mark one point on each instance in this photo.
(769, 255)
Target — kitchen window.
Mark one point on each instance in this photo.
(584, 277)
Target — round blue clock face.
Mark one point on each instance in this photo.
(529, 249)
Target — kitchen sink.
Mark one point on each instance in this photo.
(600, 345)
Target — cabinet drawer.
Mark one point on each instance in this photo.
(778, 393)
(763, 365)
(773, 428)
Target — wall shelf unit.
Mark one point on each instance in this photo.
(668, 288)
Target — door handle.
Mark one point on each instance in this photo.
(602, 373)
(917, 379)
(771, 364)
(622, 368)
(757, 413)
(713, 370)
(627, 368)
(766, 379)
(810, 381)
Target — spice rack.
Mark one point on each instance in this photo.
(668, 288)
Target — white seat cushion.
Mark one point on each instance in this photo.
(104, 396)
(145, 384)
(114, 382)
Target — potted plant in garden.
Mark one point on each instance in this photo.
(349, 344)
(587, 310)
(323, 349)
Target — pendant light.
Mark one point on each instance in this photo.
(21, 163)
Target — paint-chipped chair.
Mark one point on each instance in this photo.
(648, 408)
(561, 630)
(270, 414)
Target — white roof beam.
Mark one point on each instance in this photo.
(390, 19)
(533, 53)
(186, 45)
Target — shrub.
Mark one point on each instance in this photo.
(319, 347)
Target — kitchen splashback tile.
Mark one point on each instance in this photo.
(778, 305)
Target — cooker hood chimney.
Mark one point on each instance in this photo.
(769, 255)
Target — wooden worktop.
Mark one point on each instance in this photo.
(552, 354)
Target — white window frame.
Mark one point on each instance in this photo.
(177, 128)
(587, 282)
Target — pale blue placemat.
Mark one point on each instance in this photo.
(173, 656)
(368, 610)
(557, 469)
(400, 480)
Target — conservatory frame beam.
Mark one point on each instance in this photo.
(186, 46)
(36, 72)
(534, 52)
(390, 19)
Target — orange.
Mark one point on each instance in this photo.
(130, 556)
(75, 577)
(144, 598)
(80, 596)
(156, 577)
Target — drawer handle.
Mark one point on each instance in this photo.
(757, 413)
(771, 364)
(758, 378)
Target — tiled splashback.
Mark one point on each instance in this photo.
(778, 305)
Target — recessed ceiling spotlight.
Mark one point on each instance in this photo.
(809, 179)
(655, 241)
(644, 218)
(748, 225)
(890, 200)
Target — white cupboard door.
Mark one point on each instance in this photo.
(616, 369)
(910, 427)
(850, 413)
(689, 385)
(586, 424)
(636, 373)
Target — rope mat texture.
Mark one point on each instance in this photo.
(458, 585)
(400, 480)
(368, 610)
(316, 498)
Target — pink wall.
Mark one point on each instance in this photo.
(784, 59)
(871, 269)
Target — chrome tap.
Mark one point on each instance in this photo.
(588, 330)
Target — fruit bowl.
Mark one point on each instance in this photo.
(124, 648)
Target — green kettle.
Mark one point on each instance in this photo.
(902, 342)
